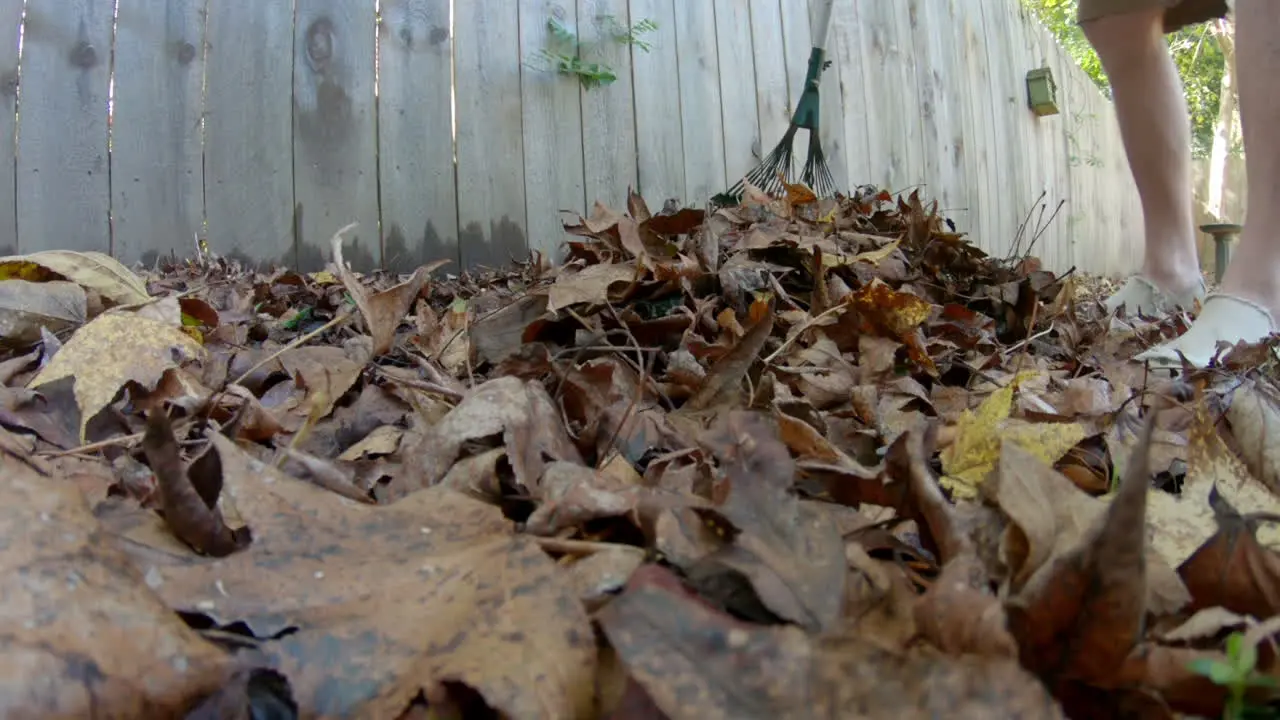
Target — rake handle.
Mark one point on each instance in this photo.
(822, 23)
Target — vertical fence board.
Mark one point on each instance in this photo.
(1057, 150)
(700, 116)
(904, 60)
(608, 112)
(844, 49)
(831, 128)
(935, 86)
(552, 108)
(248, 157)
(987, 137)
(63, 169)
(656, 75)
(743, 146)
(795, 43)
(883, 76)
(947, 125)
(415, 134)
(157, 177)
(10, 19)
(773, 104)
(491, 208)
(335, 135)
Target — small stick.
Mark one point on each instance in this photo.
(575, 547)
(786, 344)
(337, 320)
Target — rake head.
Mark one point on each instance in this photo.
(777, 167)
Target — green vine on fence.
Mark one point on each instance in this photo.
(568, 54)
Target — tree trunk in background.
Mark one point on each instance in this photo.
(1224, 128)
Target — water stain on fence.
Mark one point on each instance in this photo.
(505, 244)
(398, 256)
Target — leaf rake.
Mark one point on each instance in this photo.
(775, 169)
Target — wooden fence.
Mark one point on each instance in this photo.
(264, 126)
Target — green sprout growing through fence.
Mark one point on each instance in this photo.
(566, 52)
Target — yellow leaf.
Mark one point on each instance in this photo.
(91, 270)
(1182, 523)
(110, 351)
(980, 435)
(384, 440)
(323, 277)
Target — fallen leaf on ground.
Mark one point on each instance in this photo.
(588, 285)
(27, 307)
(458, 597)
(84, 634)
(112, 350)
(94, 271)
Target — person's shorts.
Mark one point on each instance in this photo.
(1177, 13)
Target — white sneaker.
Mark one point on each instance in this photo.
(1224, 318)
(1140, 296)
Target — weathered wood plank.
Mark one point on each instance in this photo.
(743, 146)
(335, 133)
(659, 138)
(700, 117)
(944, 75)
(64, 191)
(248, 152)
(490, 147)
(552, 111)
(157, 174)
(608, 113)
(1009, 67)
(796, 36)
(773, 104)
(935, 84)
(889, 126)
(903, 57)
(986, 209)
(831, 128)
(844, 49)
(10, 19)
(415, 134)
(1057, 142)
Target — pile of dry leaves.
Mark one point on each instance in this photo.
(790, 459)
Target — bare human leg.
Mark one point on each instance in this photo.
(1156, 130)
(1250, 295)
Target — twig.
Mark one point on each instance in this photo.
(337, 320)
(575, 547)
(96, 446)
(786, 344)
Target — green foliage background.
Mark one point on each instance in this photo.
(1195, 50)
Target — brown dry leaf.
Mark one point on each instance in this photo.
(93, 271)
(1049, 518)
(520, 413)
(1080, 616)
(727, 373)
(1255, 422)
(26, 307)
(84, 634)
(432, 589)
(1233, 569)
(383, 310)
(960, 616)
(384, 440)
(191, 514)
(111, 350)
(325, 373)
(789, 551)
(588, 285)
(894, 313)
(600, 575)
(695, 662)
(1183, 523)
